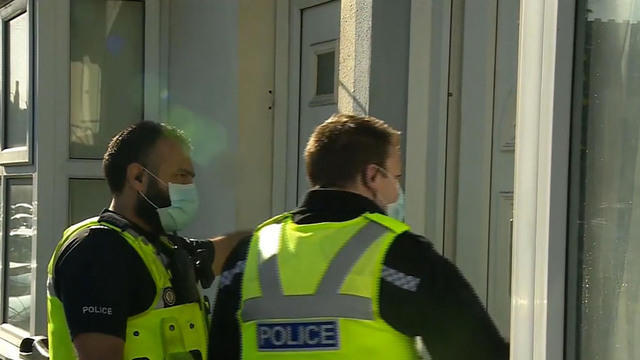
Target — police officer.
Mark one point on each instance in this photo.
(342, 277)
(122, 285)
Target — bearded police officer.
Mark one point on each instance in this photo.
(341, 277)
(122, 285)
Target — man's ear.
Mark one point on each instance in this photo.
(135, 176)
(371, 173)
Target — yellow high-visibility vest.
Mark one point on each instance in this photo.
(312, 291)
(174, 332)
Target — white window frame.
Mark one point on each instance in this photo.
(18, 164)
(52, 168)
(321, 49)
(21, 155)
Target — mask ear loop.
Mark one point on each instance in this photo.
(154, 176)
(143, 195)
(149, 201)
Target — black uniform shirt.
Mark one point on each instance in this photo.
(101, 280)
(421, 292)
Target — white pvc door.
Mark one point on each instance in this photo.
(486, 146)
(502, 166)
(319, 34)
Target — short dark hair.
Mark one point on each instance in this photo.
(340, 148)
(133, 145)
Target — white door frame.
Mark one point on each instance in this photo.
(542, 154)
(286, 102)
(545, 64)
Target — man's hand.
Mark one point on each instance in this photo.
(224, 245)
(96, 346)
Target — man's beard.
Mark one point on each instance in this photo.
(146, 211)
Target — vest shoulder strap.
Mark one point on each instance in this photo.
(384, 220)
(274, 220)
(82, 229)
(74, 228)
(388, 222)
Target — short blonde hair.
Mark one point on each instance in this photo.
(339, 149)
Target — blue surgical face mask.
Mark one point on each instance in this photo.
(395, 209)
(183, 208)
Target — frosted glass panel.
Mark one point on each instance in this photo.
(87, 198)
(606, 187)
(20, 231)
(107, 68)
(17, 85)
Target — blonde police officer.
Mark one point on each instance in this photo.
(342, 277)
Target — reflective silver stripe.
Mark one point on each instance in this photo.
(327, 301)
(347, 257)
(307, 307)
(270, 284)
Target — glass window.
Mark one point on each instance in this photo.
(87, 198)
(325, 75)
(16, 109)
(107, 68)
(604, 233)
(17, 85)
(324, 89)
(19, 230)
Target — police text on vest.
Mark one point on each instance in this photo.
(97, 310)
(298, 336)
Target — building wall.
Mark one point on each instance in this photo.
(219, 72)
(202, 100)
(256, 66)
(388, 84)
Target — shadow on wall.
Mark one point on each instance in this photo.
(360, 106)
